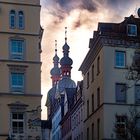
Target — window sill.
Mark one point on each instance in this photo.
(116, 67)
(120, 102)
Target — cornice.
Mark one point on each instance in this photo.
(19, 94)
(20, 62)
(21, 33)
(15, 3)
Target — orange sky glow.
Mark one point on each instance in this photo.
(81, 19)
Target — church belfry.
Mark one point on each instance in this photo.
(66, 62)
(55, 71)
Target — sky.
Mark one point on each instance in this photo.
(81, 17)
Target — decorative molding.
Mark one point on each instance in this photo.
(17, 33)
(17, 68)
(20, 61)
(16, 94)
(21, 4)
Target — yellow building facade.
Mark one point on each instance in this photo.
(20, 69)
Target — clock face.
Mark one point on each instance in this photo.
(139, 12)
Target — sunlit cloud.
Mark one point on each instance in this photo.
(81, 17)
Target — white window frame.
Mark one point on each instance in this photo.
(18, 121)
(17, 88)
(17, 55)
(12, 15)
(23, 20)
(117, 65)
(131, 26)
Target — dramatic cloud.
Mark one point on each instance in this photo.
(81, 17)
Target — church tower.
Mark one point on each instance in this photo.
(55, 71)
(20, 69)
(66, 62)
(66, 66)
(55, 76)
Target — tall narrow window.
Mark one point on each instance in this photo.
(12, 19)
(92, 73)
(16, 49)
(120, 93)
(87, 79)
(121, 126)
(92, 131)
(87, 108)
(17, 123)
(120, 59)
(17, 82)
(87, 133)
(98, 129)
(92, 102)
(21, 19)
(98, 97)
(137, 94)
(17, 120)
(98, 65)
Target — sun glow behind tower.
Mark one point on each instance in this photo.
(81, 19)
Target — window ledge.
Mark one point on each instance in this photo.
(120, 67)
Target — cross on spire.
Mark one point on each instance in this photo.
(65, 34)
(55, 46)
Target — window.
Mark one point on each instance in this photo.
(98, 65)
(12, 19)
(131, 30)
(87, 108)
(138, 127)
(92, 73)
(137, 94)
(92, 131)
(20, 20)
(87, 133)
(120, 93)
(17, 123)
(87, 79)
(98, 129)
(17, 82)
(120, 125)
(92, 103)
(16, 49)
(81, 135)
(98, 97)
(120, 59)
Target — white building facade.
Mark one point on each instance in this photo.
(107, 96)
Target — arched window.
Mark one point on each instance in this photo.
(12, 19)
(20, 19)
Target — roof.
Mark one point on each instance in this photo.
(70, 96)
(116, 31)
(65, 82)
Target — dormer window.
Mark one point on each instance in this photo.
(131, 30)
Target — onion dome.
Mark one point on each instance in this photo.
(55, 71)
(66, 62)
(66, 82)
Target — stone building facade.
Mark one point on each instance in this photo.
(20, 69)
(107, 96)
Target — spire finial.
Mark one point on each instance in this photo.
(65, 34)
(55, 46)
